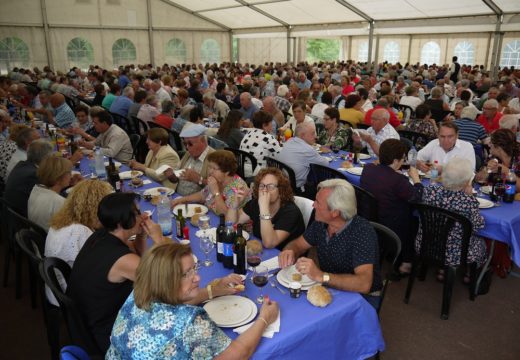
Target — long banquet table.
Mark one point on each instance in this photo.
(348, 328)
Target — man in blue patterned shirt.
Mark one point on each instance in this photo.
(63, 114)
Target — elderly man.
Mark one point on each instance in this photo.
(214, 107)
(383, 103)
(113, 141)
(298, 152)
(160, 93)
(338, 100)
(346, 244)
(281, 98)
(248, 108)
(446, 147)
(270, 107)
(194, 163)
(63, 114)
(24, 139)
(377, 133)
(121, 104)
(23, 177)
(490, 116)
(470, 130)
(302, 81)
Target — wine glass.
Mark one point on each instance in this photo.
(253, 260)
(206, 245)
(335, 149)
(204, 224)
(260, 276)
(500, 190)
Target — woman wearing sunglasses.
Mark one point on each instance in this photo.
(276, 218)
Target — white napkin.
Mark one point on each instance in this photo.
(146, 182)
(162, 169)
(268, 332)
(271, 264)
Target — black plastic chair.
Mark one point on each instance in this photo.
(389, 249)
(78, 332)
(32, 244)
(138, 126)
(436, 225)
(242, 158)
(175, 138)
(349, 123)
(319, 173)
(134, 140)
(71, 102)
(285, 169)
(363, 126)
(418, 140)
(122, 121)
(366, 204)
(408, 112)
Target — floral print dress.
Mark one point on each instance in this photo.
(165, 332)
(342, 137)
(464, 204)
(228, 194)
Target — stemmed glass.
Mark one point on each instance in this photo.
(206, 245)
(335, 149)
(500, 190)
(260, 277)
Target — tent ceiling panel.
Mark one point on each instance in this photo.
(309, 12)
(508, 5)
(242, 17)
(408, 9)
(200, 5)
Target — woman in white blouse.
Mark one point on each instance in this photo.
(72, 225)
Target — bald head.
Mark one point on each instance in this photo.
(57, 100)
(307, 132)
(379, 119)
(245, 100)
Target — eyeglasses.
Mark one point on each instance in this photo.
(191, 272)
(188, 143)
(268, 187)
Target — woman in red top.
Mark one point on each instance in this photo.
(165, 118)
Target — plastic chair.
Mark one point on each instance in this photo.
(363, 126)
(134, 140)
(138, 126)
(175, 139)
(286, 169)
(366, 204)
(216, 143)
(418, 140)
(436, 225)
(349, 123)
(306, 207)
(73, 352)
(319, 173)
(389, 249)
(243, 157)
(408, 112)
(122, 121)
(79, 335)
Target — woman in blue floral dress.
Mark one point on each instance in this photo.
(157, 321)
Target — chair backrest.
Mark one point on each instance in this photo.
(286, 169)
(134, 140)
(418, 140)
(79, 335)
(138, 126)
(18, 222)
(349, 123)
(175, 138)
(436, 225)
(408, 112)
(122, 121)
(32, 244)
(242, 158)
(366, 204)
(319, 128)
(72, 103)
(319, 173)
(305, 206)
(216, 143)
(363, 126)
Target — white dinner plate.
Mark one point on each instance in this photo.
(155, 191)
(191, 209)
(116, 163)
(486, 189)
(364, 156)
(484, 203)
(355, 170)
(284, 283)
(231, 310)
(126, 175)
(212, 233)
(286, 274)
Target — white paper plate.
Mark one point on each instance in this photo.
(191, 209)
(116, 163)
(355, 170)
(125, 175)
(155, 191)
(364, 156)
(212, 233)
(484, 203)
(486, 189)
(286, 275)
(231, 310)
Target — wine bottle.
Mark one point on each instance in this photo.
(239, 252)
(221, 232)
(180, 222)
(227, 246)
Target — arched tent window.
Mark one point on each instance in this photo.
(210, 51)
(465, 52)
(13, 53)
(392, 52)
(363, 52)
(123, 52)
(430, 53)
(175, 52)
(80, 53)
(511, 54)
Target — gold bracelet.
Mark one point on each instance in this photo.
(264, 320)
(210, 292)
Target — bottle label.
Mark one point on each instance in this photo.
(510, 189)
(227, 249)
(220, 248)
(235, 260)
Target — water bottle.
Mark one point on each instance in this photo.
(163, 214)
(100, 164)
(434, 172)
(412, 157)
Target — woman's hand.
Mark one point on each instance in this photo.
(227, 285)
(177, 201)
(414, 175)
(270, 310)
(213, 185)
(137, 165)
(492, 165)
(152, 229)
(263, 201)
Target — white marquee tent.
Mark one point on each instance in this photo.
(66, 33)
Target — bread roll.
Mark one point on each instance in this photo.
(240, 287)
(296, 277)
(195, 219)
(254, 247)
(319, 296)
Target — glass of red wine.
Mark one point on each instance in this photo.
(260, 277)
(335, 149)
(254, 260)
(500, 190)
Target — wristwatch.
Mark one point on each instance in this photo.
(265, 217)
(200, 181)
(326, 279)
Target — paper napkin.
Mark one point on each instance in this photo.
(268, 332)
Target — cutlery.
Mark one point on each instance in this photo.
(276, 287)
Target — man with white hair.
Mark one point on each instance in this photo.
(302, 81)
(470, 130)
(281, 98)
(122, 103)
(346, 244)
(377, 133)
(214, 107)
(510, 122)
(248, 108)
(160, 93)
(338, 100)
(490, 116)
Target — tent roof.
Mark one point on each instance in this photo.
(249, 14)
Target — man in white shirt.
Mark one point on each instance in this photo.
(446, 147)
(377, 133)
(160, 93)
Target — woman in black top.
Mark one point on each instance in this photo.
(229, 130)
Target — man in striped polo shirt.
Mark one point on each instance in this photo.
(470, 130)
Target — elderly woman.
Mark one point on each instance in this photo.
(165, 118)
(149, 110)
(455, 194)
(72, 225)
(352, 111)
(276, 218)
(299, 116)
(393, 192)
(161, 153)
(258, 141)
(8, 148)
(229, 130)
(223, 184)
(333, 133)
(168, 326)
(423, 122)
(53, 176)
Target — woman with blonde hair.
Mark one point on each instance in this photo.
(77, 219)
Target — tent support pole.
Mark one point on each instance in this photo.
(230, 34)
(48, 49)
(409, 48)
(370, 42)
(288, 44)
(150, 31)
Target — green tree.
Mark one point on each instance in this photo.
(323, 49)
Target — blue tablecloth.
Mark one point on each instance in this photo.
(501, 223)
(348, 328)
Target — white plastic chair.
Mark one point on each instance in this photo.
(305, 206)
